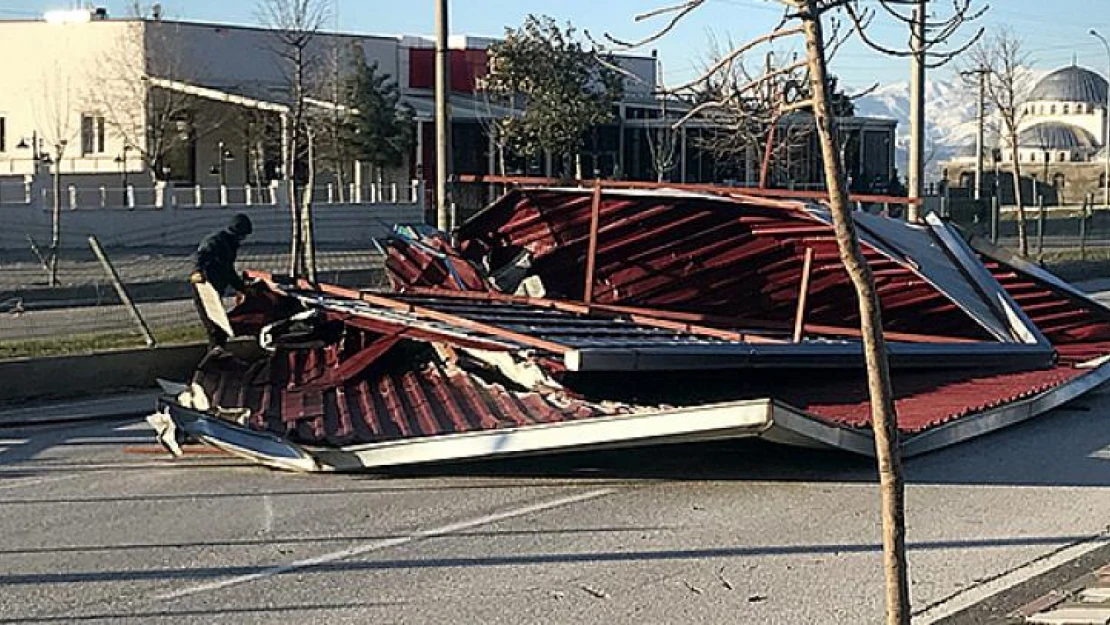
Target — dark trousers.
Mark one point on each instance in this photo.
(216, 336)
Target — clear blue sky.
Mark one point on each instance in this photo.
(1053, 30)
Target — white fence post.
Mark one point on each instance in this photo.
(247, 193)
(331, 193)
(198, 196)
(223, 195)
(414, 192)
(162, 189)
(274, 184)
(130, 196)
(103, 196)
(72, 197)
(354, 193)
(393, 192)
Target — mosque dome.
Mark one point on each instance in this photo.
(1070, 84)
(1055, 136)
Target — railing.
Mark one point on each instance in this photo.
(74, 197)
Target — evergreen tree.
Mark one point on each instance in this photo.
(379, 129)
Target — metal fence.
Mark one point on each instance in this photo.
(1079, 231)
(152, 252)
(85, 304)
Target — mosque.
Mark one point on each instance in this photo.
(1061, 142)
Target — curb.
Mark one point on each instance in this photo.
(90, 375)
(124, 406)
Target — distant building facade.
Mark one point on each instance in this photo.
(98, 85)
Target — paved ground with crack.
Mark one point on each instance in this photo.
(727, 533)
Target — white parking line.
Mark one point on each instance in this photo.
(378, 545)
(965, 599)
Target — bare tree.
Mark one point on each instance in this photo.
(752, 117)
(295, 24)
(54, 113)
(806, 18)
(930, 46)
(153, 122)
(1005, 67)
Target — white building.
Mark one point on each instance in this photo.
(1064, 118)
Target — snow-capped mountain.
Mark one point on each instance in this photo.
(950, 119)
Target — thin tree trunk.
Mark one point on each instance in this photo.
(1019, 204)
(883, 417)
(306, 212)
(297, 254)
(56, 220)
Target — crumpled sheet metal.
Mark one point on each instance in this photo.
(397, 389)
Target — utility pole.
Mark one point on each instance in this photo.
(981, 73)
(443, 119)
(916, 174)
(1106, 124)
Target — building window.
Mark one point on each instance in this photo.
(1053, 109)
(3, 134)
(92, 134)
(1062, 157)
(1078, 108)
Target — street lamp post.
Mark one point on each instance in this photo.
(122, 160)
(36, 146)
(223, 155)
(1105, 122)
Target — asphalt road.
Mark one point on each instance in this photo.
(725, 533)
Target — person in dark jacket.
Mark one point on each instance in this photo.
(215, 265)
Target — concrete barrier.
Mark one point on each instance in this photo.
(72, 376)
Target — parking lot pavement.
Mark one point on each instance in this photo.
(740, 532)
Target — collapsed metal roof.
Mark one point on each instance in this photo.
(577, 319)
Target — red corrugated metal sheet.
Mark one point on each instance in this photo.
(409, 394)
(715, 256)
(924, 399)
(1079, 332)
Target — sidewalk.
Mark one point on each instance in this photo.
(134, 404)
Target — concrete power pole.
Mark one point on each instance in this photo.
(916, 174)
(443, 119)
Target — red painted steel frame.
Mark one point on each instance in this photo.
(803, 295)
(762, 192)
(591, 253)
(643, 316)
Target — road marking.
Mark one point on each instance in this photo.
(388, 543)
(963, 600)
